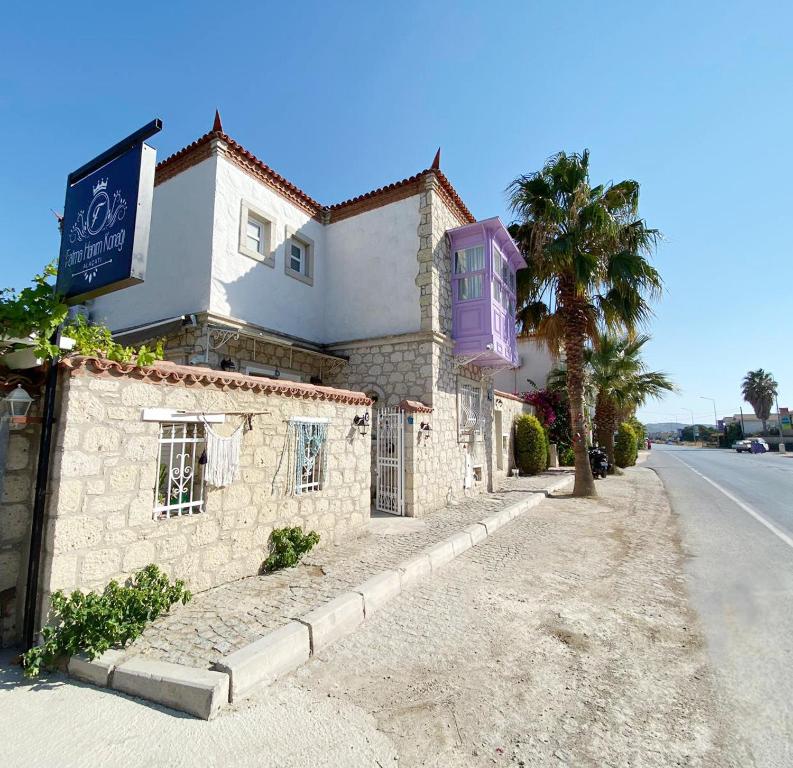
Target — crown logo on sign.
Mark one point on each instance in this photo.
(100, 185)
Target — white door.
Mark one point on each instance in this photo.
(390, 469)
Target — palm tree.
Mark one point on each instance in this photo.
(587, 252)
(621, 382)
(759, 390)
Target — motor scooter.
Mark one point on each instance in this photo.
(598, 461)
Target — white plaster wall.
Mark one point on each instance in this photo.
(371, 280)
(535, 364)
(178, 266)
(249, 290)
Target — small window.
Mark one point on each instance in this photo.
(256, 235)
(469, 405)
(299, 257)
(469, 288)
(469, 260)
(180, 474)
(310, 455)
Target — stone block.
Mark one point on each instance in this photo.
(333, 620)
(378, 590)
(76, 532)
(440, 554)
(414, 570)
(477, 532)
(199, 692)
(98, 671)
(460, 542)
(97, 566)
(265, 660)
(138, 554)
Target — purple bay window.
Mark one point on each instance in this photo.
(484, 262)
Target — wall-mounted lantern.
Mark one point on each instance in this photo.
(227, 364)
(425, 429)
(18, 404)
(362, 422)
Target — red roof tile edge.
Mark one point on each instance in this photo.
(289, 190)
(170, 373)
(510, 396)
(414, 406)
(178, 161)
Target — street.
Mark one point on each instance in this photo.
(736, 521)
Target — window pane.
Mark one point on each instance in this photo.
(469, 287)
(254, 236)
(296, 258)
(469, 260)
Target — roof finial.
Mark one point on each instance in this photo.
(217, 126)
(436, 163)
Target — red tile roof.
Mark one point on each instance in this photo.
(201, 149)
(170, 373)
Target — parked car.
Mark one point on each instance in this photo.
(751, 445)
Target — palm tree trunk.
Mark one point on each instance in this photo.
(606, 431)
(574, 339)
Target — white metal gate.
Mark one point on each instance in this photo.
(390, 461)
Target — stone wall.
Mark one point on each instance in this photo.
(105, 468)
(509, 407)
(245, 351)
(17, 484)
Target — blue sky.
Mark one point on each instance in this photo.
(691, 99)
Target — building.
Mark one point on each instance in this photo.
(352, 347)
(753, 426)
(535, 362)
(399, 293)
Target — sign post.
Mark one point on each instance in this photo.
(104, 243)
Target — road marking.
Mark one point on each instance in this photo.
(745, 507)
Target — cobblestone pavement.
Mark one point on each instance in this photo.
(226, 618)
(564, 639)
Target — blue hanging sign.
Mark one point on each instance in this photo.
(106, 220)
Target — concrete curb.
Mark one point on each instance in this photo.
(198, 692)
(265, 660)
(203, 692)
(99, 671)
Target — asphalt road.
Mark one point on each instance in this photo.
(736, 519)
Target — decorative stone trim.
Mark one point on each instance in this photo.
(414, 406)
(169, 373)
(510, 396)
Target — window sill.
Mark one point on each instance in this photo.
(268, 261)
(299, 276)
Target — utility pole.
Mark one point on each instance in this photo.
(779, 425)
(693, 432)
(715, 417)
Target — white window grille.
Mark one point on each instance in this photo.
(310, 455)
(180, 478)
(469, 399)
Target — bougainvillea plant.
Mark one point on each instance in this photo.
(552, 409)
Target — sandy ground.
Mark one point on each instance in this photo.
(564, 639)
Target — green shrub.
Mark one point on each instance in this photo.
(566, 456)
(93, 622)
(97, 341)
(531, 447)
(287, 546)
(625, 450)
(641, 432)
